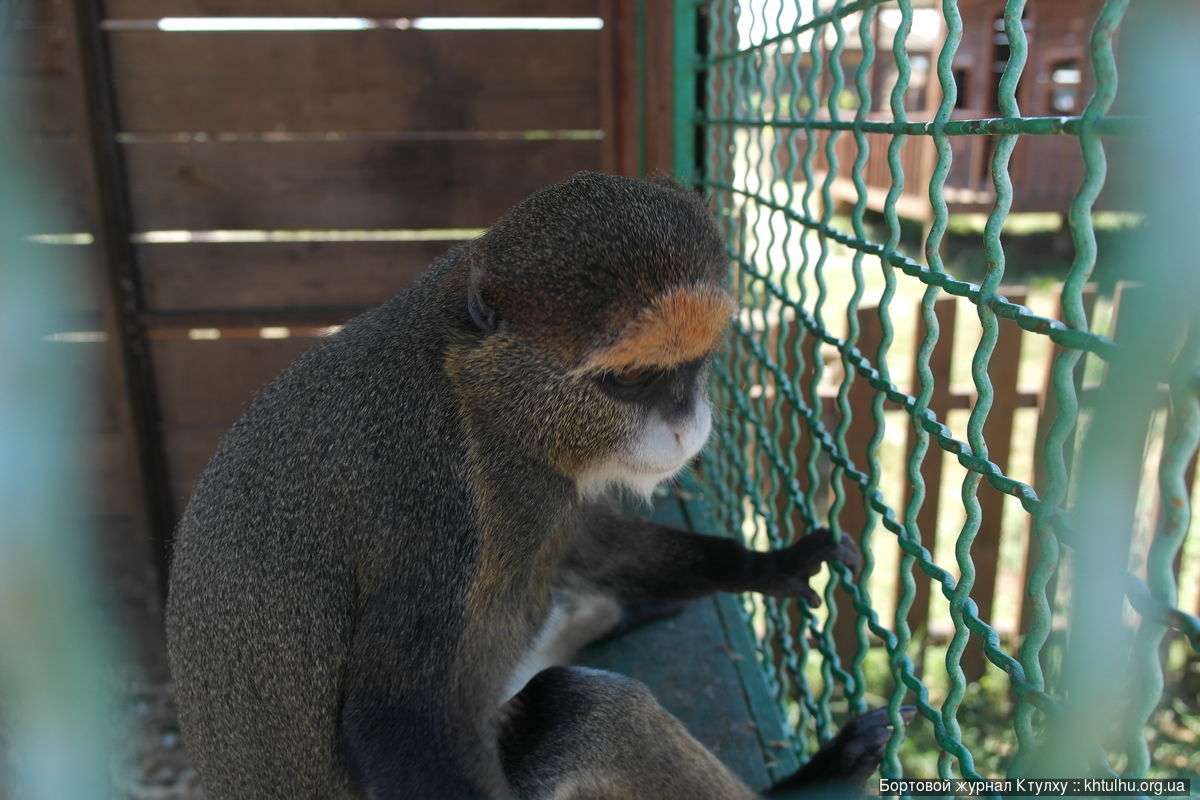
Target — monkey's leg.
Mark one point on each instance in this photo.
(582, 734)
(636, 561)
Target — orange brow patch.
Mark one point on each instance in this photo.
(682, 325)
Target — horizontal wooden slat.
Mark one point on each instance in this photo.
(42, 12)
(153, 9)
(38, 104)
(280, 275)
(246, 323)
(369, 80)
(108, 476)
(188, 452)
(352, 184)
(209, 383)
(203, 387)
(38, 49)
(87, 363)
(38, 89)
(79, 282)
(44, 113)
(56, 167)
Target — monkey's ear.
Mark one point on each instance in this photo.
(483, 315)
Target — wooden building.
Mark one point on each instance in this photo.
(1057, 81)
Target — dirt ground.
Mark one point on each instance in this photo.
(154, 765)
(151, 764)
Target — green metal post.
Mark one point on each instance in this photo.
(684, 91)
(640, 48)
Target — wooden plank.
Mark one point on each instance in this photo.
(946, 312)
(1003, 369)
(65, 198)
(853, 517)
(209, 383)
(1048, 411)
(791, 445)
(1190, 474)
(78, 287)
(350, 184)
(188, 451)
(39, 86)
(1047, 170)
(41, 95)
(279, 275)
(365, 80)
(787, 341)
(109, 476)
(39, 49)
(42, 105)
(1194, 482)
(387, 9)
(641, 107)
(87, 362)
(40, 92)
(245, 323)
(41, 12)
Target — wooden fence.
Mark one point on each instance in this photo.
(1015, 445)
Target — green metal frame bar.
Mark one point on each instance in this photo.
(684, 95)
(1028, 126)
(642, 115)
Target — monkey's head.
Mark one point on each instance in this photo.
(589, 314)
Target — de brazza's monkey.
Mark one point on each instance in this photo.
(410, 522)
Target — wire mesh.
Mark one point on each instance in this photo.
(789, 105)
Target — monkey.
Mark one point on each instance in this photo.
(395, 549)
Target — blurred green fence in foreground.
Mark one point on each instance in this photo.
(788, 134)
(57, 723)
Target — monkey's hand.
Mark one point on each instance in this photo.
(786, 572)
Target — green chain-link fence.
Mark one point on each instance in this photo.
(787, 132)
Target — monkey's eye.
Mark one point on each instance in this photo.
(634, 377)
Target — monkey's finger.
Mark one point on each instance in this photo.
(810, 596)
(848, 553)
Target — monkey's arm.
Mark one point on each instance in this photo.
(638, 561)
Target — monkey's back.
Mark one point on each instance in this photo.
(334, 487)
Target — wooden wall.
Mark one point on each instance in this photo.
(272, 184)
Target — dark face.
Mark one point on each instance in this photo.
(671, 418)
(671, 391)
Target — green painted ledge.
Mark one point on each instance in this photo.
(702, 667)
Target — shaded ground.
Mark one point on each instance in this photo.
(155, 765)
(152, 765)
